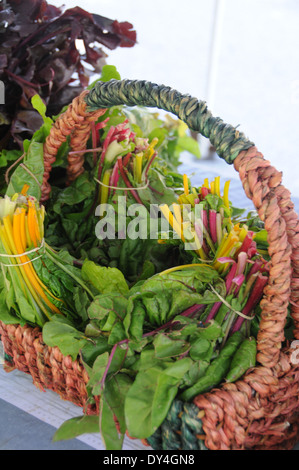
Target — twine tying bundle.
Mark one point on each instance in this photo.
(26, 253)
(122, 188)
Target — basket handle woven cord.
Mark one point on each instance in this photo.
(261, 183)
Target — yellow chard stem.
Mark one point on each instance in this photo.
(177, 213)
(184, 266)
(153, 143)
(12, 260)
(28, 240)
(243, 232)
(22, 216)
(138, 166)
(217, 185)
(182, 199)
(212, 187)
(25, 189)
(186, 184)
(206, 183)
(104, 189)
(36, 228)
(170, 219)
(225, 193)
(31, 223)
(18, 228)
(30, 282)
(225, 248)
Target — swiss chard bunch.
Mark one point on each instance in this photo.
(135, 152)
(203, 221)
(37, 283)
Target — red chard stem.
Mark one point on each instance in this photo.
(205, 219)
(255, 268)
(126, 159)
(247, 242)
(212, 223)
(230, 276)
(253, 300)
(127, 182)
(242, 258)
(213, 311)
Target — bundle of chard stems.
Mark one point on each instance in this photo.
(21, 244)
(204, 216)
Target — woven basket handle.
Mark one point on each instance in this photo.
(261, 182)
(228, 141)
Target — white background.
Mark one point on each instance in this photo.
(254, 81)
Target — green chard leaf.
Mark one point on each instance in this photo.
(166, 347)
(30, 170)
(77, 426)
(107, 310)
(112, 439)
(60, 332)
(116, 389)
(151, 395)
(105, 280)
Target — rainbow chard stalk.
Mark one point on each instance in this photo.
(126, 158)
(21, 233)
(213, 225)
(123, 174)
(237, 283)
(119, 140)
(114, 175)
(229, 280)
(249, 246)
(253, 300)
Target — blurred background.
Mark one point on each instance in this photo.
(240, 57)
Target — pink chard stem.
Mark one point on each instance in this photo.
(253, 300)
(213, 225)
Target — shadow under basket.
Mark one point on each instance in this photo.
(261, 410)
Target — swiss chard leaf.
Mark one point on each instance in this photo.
(59, 332)
(104, 280)
(166, 347)
(151, 395)
(112, 439)
(116, 389)
(31, 171)
(107, 310)
(77, 426)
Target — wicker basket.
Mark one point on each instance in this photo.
(260, 411)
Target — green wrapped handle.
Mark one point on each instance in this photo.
(226, 139)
